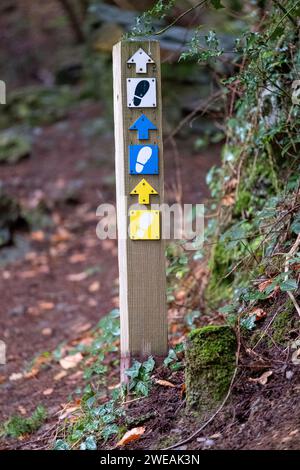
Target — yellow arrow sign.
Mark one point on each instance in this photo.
(144, 189)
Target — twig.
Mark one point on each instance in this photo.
(203, 105)
(179, 18)
(281, 7)
(291, 296)
(283, 18)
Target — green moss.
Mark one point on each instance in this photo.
(210, 358)
(212, 344)
(219, 287)
(282, 325)
(242, 203)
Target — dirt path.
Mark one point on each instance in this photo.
(61, 279)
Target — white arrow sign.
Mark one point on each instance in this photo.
(140, 59)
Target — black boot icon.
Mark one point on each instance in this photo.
(140, 91)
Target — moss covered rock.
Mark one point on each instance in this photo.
(210, 363)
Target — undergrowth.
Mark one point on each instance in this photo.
(17, 425)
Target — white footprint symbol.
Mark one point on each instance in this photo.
(144, 222)
(142, 158)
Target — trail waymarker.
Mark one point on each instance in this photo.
(143, 125)
(139, 152)
(144, 225)
(143, 189)
(143, 159)
(141, 92)
(141, 60)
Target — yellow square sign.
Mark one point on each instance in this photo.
(144, 225)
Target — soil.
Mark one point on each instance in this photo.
(256, 417)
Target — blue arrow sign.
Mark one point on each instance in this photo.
(143, 125)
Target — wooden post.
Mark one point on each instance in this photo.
(141, 261)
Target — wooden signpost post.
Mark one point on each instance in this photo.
(139, 183)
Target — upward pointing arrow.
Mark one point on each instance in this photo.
(144, 189)
(143, 125)
(140, 59)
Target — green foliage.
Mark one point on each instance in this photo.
(172, 361)
(60, 444)
(18, 426)
(140, 376)
(104, 343)
(97, 421)
(197, 51)
(37, 105)
(13, 146)
(262, 148)
(144, 24)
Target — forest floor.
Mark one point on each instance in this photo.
(56, 283)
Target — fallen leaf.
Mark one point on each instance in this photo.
(59, 376)
(16, 376)
(46, 331)
(37, 236)
(132, 435)
(263, 285)
(46, 305)
(22, 410)
(228, 200)
(259, 313)
(94, 287)
(75, 376)
(231, 184)
(180, 295)
(32, 373)
(27, 274)
(34, 311)
(82, 327)
(62, 235)
(77, 258)
(182, 390)
(2, 379)
(296, 357)
(113, 387)
(263, 379)
(164, 383)
(71, 361)
(77, 277)
(68, 411)
(48, 392)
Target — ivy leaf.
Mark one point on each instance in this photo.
(249, 322)
(134, 370)
(289, 284)
(142, 388)
(109, 418)
(109, 431)
(295, 227)
(217, 4)
(60, 444)
(89, 444)
(149, 365)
